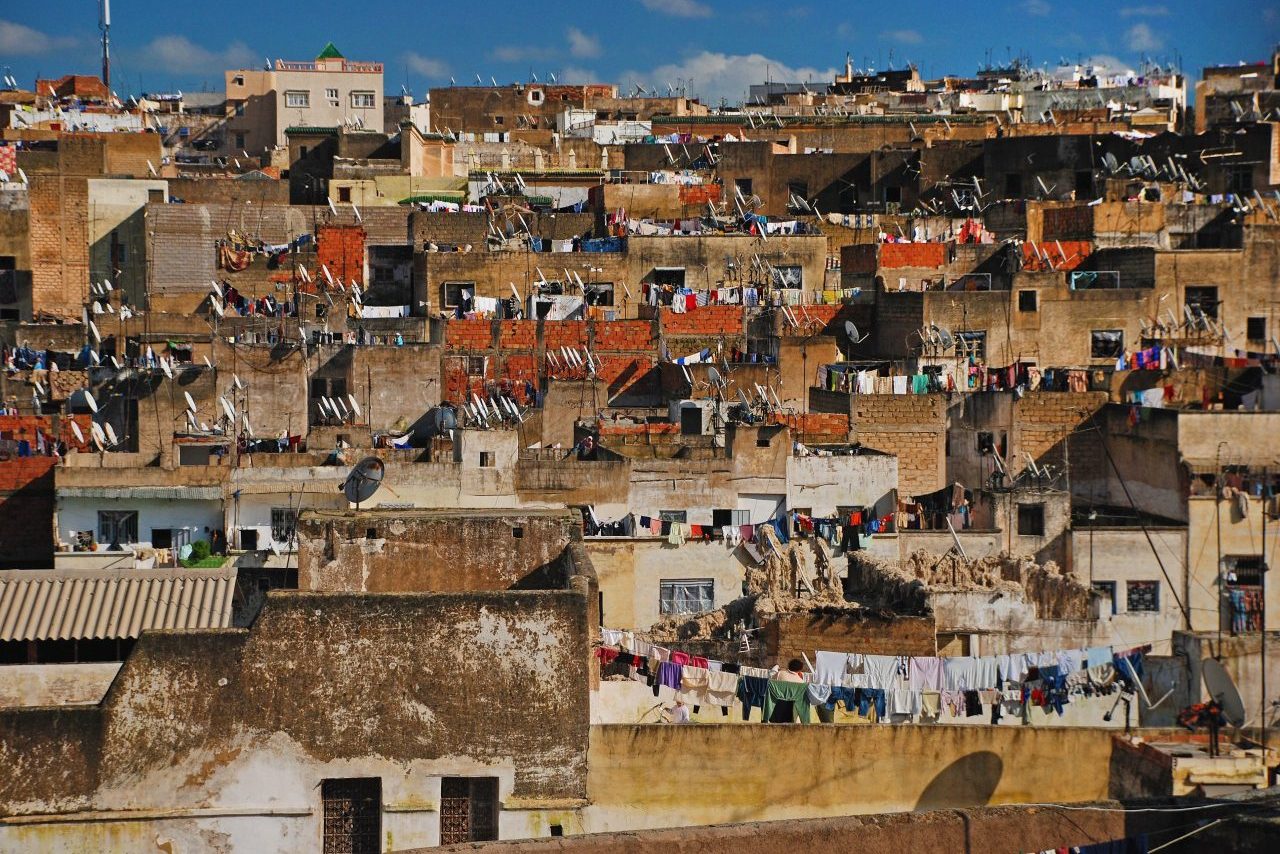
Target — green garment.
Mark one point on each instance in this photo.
(795, 692)
(920, 384)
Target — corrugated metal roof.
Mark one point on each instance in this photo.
(60, 604)
(166, 493)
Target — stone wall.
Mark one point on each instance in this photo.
(403, 550)
(226, 735)
(789, 635)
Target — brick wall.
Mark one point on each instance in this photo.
(341, 248)
(1067, 223)
(1043, 421)
(710, 320)
(26, 513)
(912, 426)
(895, 255)
(1071, 254)
(59, 244)
(817, 427)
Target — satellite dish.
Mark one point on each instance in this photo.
(236, 382)
(226, 407)
(90, 402)
(851, 332)
(355, 407)
(945, 338)
(364, 480)
(95, 430)
(1222, 689)
(111, 433)
(191, 404)
(713, 376)
(79, 434)
(93, 328)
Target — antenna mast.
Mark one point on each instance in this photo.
(104, 24)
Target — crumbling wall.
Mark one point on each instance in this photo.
(1057, 594)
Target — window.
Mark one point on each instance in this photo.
(352, 815)
(468, 809)
(297, 100)
(1255, 328)
(743, 185)
(788, 276)
(686, 596)
(486, 459)
(331, 95)
(194, 455)
(1106, 344)
(363, 100)
(1028, 301)
(249, 539)
(1013, 185)
(283, 522)
(536, 96)
(458, 294)
(1240, 179)
(798, 191)
(344, 194)
(599, 293)
(893, 195)
(240, 108)
(1203, 298)
(720, 518)
(162, 538)
(238, 80)
(673, 276)
(1142, 596)
(1031, 520)
(972, 344)
(1084, 183)
(1108, 589)
(302, 152)
(117, 526)
(498, 120)
(1243, 570)
(240, 141)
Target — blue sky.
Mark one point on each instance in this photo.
(722, 46)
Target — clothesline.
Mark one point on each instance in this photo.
(894, 686)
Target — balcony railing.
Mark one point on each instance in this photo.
(347, 65)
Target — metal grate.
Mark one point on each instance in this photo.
(468, 809)
(352, 815)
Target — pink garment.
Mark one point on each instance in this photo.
(926, 673)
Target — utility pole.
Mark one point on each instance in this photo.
(1262, 622)
(104, 24)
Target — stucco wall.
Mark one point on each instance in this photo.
(54, 684)
(631, 573)
(669, 776)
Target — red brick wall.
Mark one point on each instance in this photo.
(1068, 258)
(469, 334)
(894, 255)
(341, 249)
(26, 513)
(623, 335)
(708, 320)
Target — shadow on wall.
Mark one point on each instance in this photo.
(970, 781)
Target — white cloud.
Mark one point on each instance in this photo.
(581, 44)
(517, 53)
(1144, 11)
(20, 40)
(1140, 37)
(577, 76)
(678, 8)
(425, 66)
(717, 75)
(903, 36)
(1039, 8)
(180, 55)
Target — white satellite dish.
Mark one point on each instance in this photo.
(248, 429)
(90, 402)
(355, 407)
(191, 403)
(111, 434)
(217, 288)
(226, 407)
(93, 328)
(1222, 688)
(851, 332)
(207, 363)
(95, 429)
(79, 434)
(235, 380)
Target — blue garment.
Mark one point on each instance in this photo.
(780, 527)
(868, 697)
(849, 696)
(1055, 687)
(819, 694)
(1095, 656)
(1135, 659)
(751, 691)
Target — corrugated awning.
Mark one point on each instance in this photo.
(60, 604)
(168, 493)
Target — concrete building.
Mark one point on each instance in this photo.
(331, 91)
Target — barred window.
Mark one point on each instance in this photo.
(686, 596)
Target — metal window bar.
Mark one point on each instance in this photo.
(693, 596)
(352, 816)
